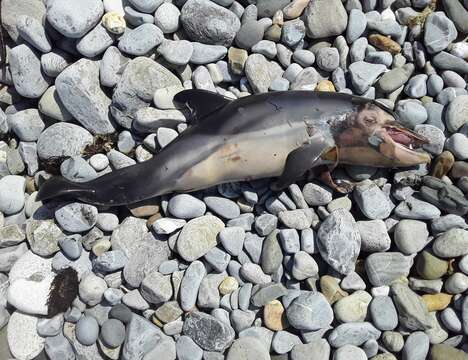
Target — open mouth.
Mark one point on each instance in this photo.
(405, 137)
(400, 144)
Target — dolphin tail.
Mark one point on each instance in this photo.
(60, 187)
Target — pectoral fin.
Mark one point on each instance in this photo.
(300, 161)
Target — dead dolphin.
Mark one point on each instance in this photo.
(277, 134)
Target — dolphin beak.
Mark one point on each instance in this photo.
(401, 145)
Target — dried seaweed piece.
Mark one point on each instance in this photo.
(63, 290)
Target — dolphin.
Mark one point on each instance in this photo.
(282, 135)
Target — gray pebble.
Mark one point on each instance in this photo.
(225, 208)
(74, 19)
(187, 349)
(413, 208)
(249, 34)
(76, 217)
(95, 42)
(166, 18)
(310, 311)
(71, 246)
(185, 206)
(31, 30)
(26, 124)
(176, 52)
(190, 285)
(339, 241)
(355, 334)
(146, 6)
(141, 40)
(439, 32)
(25, 68)
(416, 346)
(208, 332)
(411, 113)
(113, 333)
(317, 19)
(293, 32)
(137, 18)
(87, 330)
(383, 313)
(196, 17)
(416, 86)
(372, 201)
(435, 84)
(363, 75)
(384, 268)
(206, 54)
(78, 88)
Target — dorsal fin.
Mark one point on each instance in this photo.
(200, 102)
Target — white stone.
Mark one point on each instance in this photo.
(30, 264)
(12, 194)
(23, 340)
(167, 225)
(19, 295)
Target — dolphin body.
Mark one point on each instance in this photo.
(277, 134)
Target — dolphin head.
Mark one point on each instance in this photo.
(372, 136)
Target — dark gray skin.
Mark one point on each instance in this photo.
(277, 134)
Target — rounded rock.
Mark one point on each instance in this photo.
(74, 19)
(76, 217)
(87, 330)
(209, 23)
(113, 333)
(247, 348)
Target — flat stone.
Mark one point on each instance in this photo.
(79, 91)
(310, 311)
(190, 285)
(25, 68)
(452, 243)
(209, 23)
(95, 42)
(352, 308)
(439, 32)
(156, 288)
(198, 236)
(411, 236)
(384, 268)
(267, 293)
(339, 241)
(364, 75)
(23, 340)
(248, 348)
(51, 106)
(72, 19)
(208, 332)
(12, 189)
(176, 52)
(412, 310)
(142, 337)
(317, 14)
(374, 236)
(413, 208)
(372, 201)
(383, 313)
(87, 330)
(257, 72)
(76, 217)
(356, 333)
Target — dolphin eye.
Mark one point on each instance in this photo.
(370, 120)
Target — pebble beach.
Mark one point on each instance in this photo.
(237, 271)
